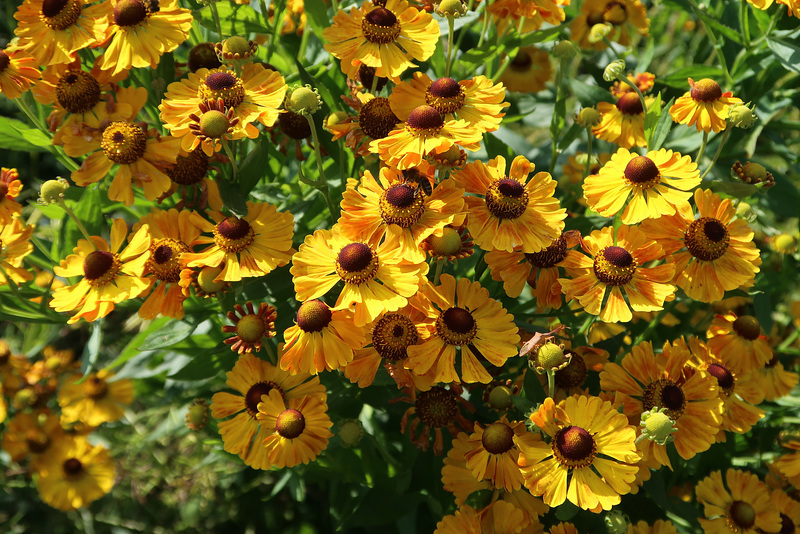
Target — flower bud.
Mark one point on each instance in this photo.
(742, 116)
(657, 426)
(303, 100)
(52, 191)
(616, 522)
(565, 50)
(334, 118)
(753, 173)
(746, 211)
(451, 8)
(588, 118)
(196, 416)
(599, 31)
(550, 357)
(350, 433)
(614, 70)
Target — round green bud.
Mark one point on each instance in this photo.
(588, 118)
(303, 100)
(741, 116)
(614, 70)
(599, 31)
(451, 8)
(52, 191)
(565, 50)
(350, 432)
(550, 357)
(657, 426)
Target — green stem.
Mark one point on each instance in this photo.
(590, 137)
(775, 18)
(744, 23)
(215, 14)
(702, 148)
(555, 131)
(77, 222)
(551, 384)
(717, 46)
(232, 158)
(276, 18)
(450, 24)
(655, 322)
(323, 187)
(374, 85)
(335, 5)
(271, 353)
(717, 153)
(625, 79)
(485, 23)
(57, 151)
(438, 273)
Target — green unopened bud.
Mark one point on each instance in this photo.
(742, 116)
(657, 426)
(588, 118)
(753, 173)
(196, 416)
(614, 70)
(334, 118)
(52, 191)
(599, 32)
(565, 50)
(350, 433)
(303, 100)
(746, 211)
(551, 357)
(616, 522)
(451, 8)
(500, 398)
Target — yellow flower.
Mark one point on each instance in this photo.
(376, 279)
(623, 123)
(655, 184)
(72, 474)
(107, 277)
(586, 434)
(15, 245)
(252, 246)
(620, 15)
(463, 318)
(616, 268)
(529, 71)
(387, 37)
(738, 342)
(743, 507)
(141, 31)
(706, 107)
(298, 429)
(10, 188)
(511, 210)
(17, 72)
(52, 31)
(95, 400)
(477, 101)
(492, 454)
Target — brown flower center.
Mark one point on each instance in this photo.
(787, 525)
(506, 199)
(456, 326)
(254, 394)
(5, 61)
(367, 75)
(402, 205)
(60, 14)
(203, 56)
(72, 467)
(189, 169)
(37, 441)
(380, 26)
(706, 90)
(222, 84)
(164, 262)
(497, 438)
(629, 104)
(437, 407)
(614, 266)
(445, 95)
(293, 125)
(124, 142)
(233, 234)
(290, 424)
(573, 374)
(723, 375)
(392, 335)
(95, 387)
(748, 327)
(743, 514)
(376, 118)
(100, 267)
(77, 91)
(664, 393)
(707, 239)
(129, 12)
(642, 171)
(521, 62)
(574, 447)
(615, 13)
(313, 316)
(356, 263)
(551, 256)
(425, 118)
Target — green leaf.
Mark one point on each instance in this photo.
(132, 348)
(787, 54)
(88, 210)
(207, 364)
(679, 78)
(254, 167)
(92, 349)
(168, 335)
(589, 95)
(734, 189)
(234, 19)
(569, 136)
(233, 198)
(662, 129)
(17, 135)
(651, 118)
(477, 57)
(532, 388)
